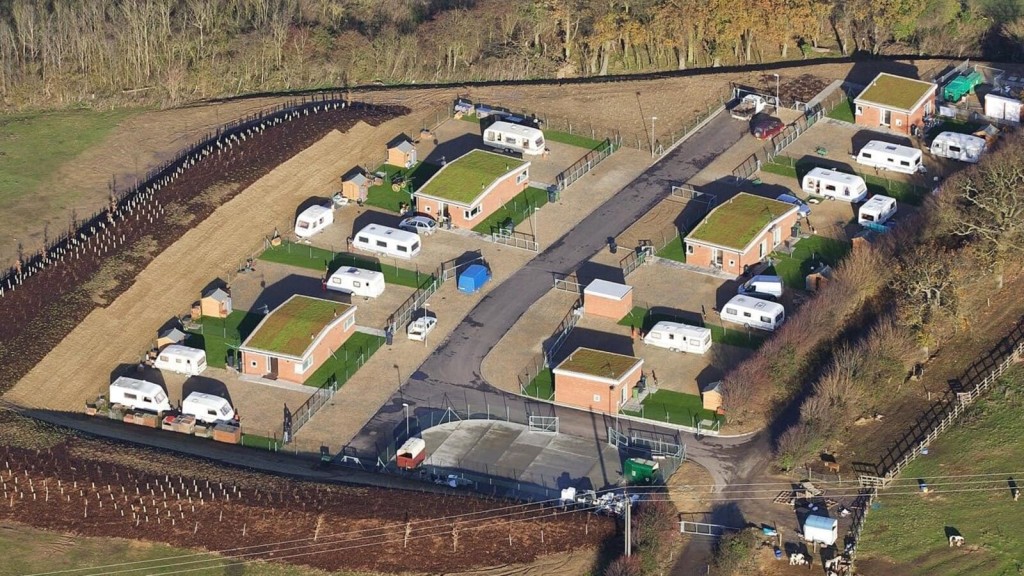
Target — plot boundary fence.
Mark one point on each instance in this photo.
(588, 162)
(515, 239)
(309, 408)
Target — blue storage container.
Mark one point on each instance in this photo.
(473, 278)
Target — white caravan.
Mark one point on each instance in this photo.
(139, 395)
(754, 313)
(962, 147)
(762, 284)
(207, 408)
(834, 184)
(387, 241)
(876, 211)
(181, 360)
(885, 156)
(513, 137)
(679, 337)
(312, 220)
(357, 281)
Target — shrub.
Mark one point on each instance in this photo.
(735, 552)
(624, 566)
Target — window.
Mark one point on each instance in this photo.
(539, 142)
(363, 239)
(415, 246)
(597, 397)
(746, 314)
(349, 322)
(776, 236)
(147, 399)
(955, 149)
(299, 369)
(382, 244)
(224, 410)
(357, 284)
(778, 317)
(165, 359)
(859, 110)
(830, 187)
(689, 248)
(886, 117)
(521, 177)
(211, 412)
(766, 319)
(904, 163)
(866, 155)
(402, 248)
(730, 311)
(130, 396)
(471, 213)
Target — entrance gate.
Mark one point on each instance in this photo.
(544, 424)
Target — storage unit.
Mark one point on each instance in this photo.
(170, 336)
(961, 86)
(313, 220)
(834, 184)
(139, 395)
(355, 185)
(754, 313)
(181, 360)
(207, 408)
(227, 433)
(357, 281)
(679, 337)
(215, 303)
(957, 146)
(1002, 108)
(411, 454)
(886, 156)
(514, 138)
(473, 278)
(640, 470)
(821, 529)
(711, 396)
(608, 299)
(387, 241)
(401, 152)
(878, 210)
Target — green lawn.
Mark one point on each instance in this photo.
(33, 146)
(898, 189)
(910, 529)
(794, 268)
(313, 258)
(735, 335)
(261, 442)
(383, 197)
(288, 327)
(542, 386)
(466, 177)
(674, 250)
(518, 209)
(843, 111)
(738, 221)
(641, 317)
(346, 360)
(220, 334)
(674, 408)
(555, 136)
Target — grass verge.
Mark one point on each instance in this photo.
(383, 197)
(313, 258)
(517, 209)
(554, 136)
(218, 335)
(261, 442)
(645, 320)
(674, 408)
(355, 352)
(674, 250)
(843, 111)
(793, 268)
(542, 386)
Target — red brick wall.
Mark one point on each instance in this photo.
(506, 190)
(579, 391)
(732, 261)
(286, 368)
(608, 307)
(871, 116)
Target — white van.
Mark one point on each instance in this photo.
(312, 220)
(878, 210)
(357, 281)
(139, 394)
(207, 408)
(834, 184)
(387, 241)
(513, 137)
(181, 360)
(679, 337)
(762, 284)
(754, 313)
(962, 147)
(885, 156)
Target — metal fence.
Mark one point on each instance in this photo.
(546, 358)
(716, 104)
(914, 190)
(310, 407)
(515, 239)
(588, 162)
(403, 314)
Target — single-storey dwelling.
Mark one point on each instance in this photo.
(401, 152)
(294, 340)
(472, 187)
(355, 185)
(216, 303)
(607, 299)
(895, 102)
(596, 380)
(741, 232)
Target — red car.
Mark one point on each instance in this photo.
(764, 126)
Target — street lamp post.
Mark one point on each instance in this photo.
(425, 331)
(776, 92)
(406, 407)
(654, 135)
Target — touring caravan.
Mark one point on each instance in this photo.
(139, 394)
(679, 337)
(387, 241)
(513, 137)
(181, 360)
(876, 211)
(834, 184)
(957, 146)
(878, 154)
(357, 281)
(312, 220)
(754, 313)
(762, 284)
(207, 408)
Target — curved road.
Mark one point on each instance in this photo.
(451, 376)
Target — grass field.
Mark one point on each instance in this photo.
(315, 258)
(383, 197)
(732, 336)
(219, 334)
(542, 386)
(347, 359)
(902, 191)
(843, 111)
(793, 268)
(910, 529)
(33, 146)
(674, 408)
(674, 250)
(517, 209)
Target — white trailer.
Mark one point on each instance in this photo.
(962, 147)
(181, 360)
(357, 281)
(754, 313)
(876, 211)
(762, 284)
(387, 241)
(886, 156)
(1002, 108)
(207, 408)
(748, 106)
(312, 220)
(139, 395)
(834, 184)
(821, 529)
(515, 138)
(679, 337)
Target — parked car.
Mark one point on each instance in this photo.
(420, 327)
(804, 209)
(765, 126)
(421, 225)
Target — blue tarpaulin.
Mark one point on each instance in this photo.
(473, 278)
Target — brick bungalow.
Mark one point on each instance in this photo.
(294, 340)
(896, 103)
(472, 187)
(596, 380)
(741, 232)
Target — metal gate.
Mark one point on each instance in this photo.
(544, 424)
(568, 283)
(617, 439)
(516, 239)
(704, 529)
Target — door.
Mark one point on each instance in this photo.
(886, 117)
(716, 257)
(760, 251)
(273, 367)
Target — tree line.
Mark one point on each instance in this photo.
(66, 52)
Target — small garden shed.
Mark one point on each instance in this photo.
(473, 278)
(355, 185)
(216, 303)
(711, 396)
(401, 152)
(608, 299)
(170, 336)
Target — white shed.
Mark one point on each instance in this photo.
(312, 220)
(821, 529)
(835, 184)
(1002, 108)
(679, 337)
(181, 360)
(207, 407)
(139, 394)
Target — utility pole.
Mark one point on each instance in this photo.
(629, 530)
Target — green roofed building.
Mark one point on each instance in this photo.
(896, 103)
(472, 187)
(296, 338)
(596, 380)
(740, 233)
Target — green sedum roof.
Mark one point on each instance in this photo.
(895, 92)
(737, 222)
(463, 179)
(292, 327)
(598, 363)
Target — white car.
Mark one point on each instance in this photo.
(419, 328)
(419, 224)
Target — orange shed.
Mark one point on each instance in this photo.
(216, 303)
(401, 152)
(355, 185)
(608, 299)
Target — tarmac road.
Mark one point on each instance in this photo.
(451, 376)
